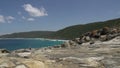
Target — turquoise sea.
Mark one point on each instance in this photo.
(13, 44)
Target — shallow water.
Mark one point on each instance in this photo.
(13, 44)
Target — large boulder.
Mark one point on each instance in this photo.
(65, 44)
(105, 31)
(115, 30)
(103, 37)
(87, 39)
(95, 34)
(4, 51)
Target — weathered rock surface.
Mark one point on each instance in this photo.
(98, 55)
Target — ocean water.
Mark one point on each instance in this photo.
(13, 44)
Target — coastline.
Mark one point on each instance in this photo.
(85, 55)
(36, 39)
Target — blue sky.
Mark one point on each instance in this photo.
(52, 15)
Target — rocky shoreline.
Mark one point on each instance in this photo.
(95, 49)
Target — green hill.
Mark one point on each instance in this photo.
(32, 34)
(66, 33)
(77, 30)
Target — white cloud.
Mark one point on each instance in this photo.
(30, 19)
(2, 19)
(9, 19)
(33, 11)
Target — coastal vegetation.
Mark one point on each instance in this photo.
(70, 32)
(31, 34)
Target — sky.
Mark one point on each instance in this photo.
(52, 15)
